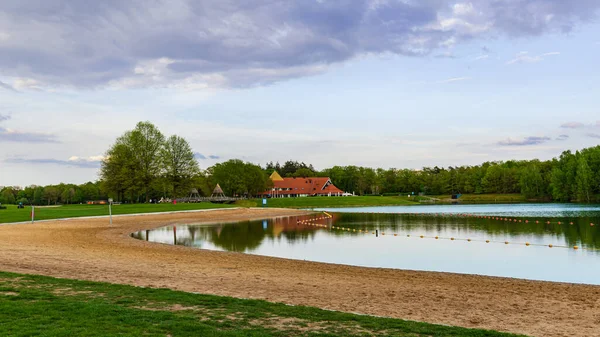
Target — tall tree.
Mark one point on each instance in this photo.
(179, 165)
(134, 163)
(584, 179)
(146, 141)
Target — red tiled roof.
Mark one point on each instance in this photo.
(310, 186)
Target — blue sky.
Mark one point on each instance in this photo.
(370, 82)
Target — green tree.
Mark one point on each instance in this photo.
(67, 195)
(146, 142)
(531, 181)
(38, 195)
(51, 194)
(7, 196)
(133, 163)
(584, 179)
(179, 164)
(239, 178)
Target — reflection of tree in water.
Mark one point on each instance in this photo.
(246, 236)
(580, 233)
(238, 237)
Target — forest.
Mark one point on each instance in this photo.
(143, 165)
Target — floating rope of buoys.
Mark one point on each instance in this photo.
(311, 222)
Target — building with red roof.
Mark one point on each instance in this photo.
(301, 187)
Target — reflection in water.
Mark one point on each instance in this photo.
(286, 237)
(236, 237)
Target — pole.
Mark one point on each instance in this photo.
(110, 211)
(32, 213)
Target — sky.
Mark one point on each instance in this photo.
(379, 83)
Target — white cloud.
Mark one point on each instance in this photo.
(455, 79)
(525, 57)
(89, 159)
(27, 83)
(572, 125)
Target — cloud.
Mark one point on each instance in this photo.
(562, 137)
(446, 55)
(46, 161)
(236, 44)
(525, 142)
(200, 156)
(525, 57)
(9, 135)
(4, 117)
(7, 87)
(594, 135)
(91, 159)
(572, 125)
(455, 79)
(481, 57)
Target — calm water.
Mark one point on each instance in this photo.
(285, 237)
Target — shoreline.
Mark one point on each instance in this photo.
(90, 249)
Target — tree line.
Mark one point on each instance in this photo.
(53, 194)
(143, 164)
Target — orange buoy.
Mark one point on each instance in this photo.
(575, 247)
(487, 241)
(550, 245)
(527, 243)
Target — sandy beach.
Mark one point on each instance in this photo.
(90, 249)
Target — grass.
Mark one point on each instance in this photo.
(485, 198)
(44, 306)
(13, 214)
(314, 202)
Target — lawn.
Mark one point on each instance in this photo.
(484, 198)
(44, 306)
(316, 202)
(13, 214)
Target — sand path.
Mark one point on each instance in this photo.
(89, 249)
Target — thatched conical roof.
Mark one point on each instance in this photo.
(218, 190)
(275, 176)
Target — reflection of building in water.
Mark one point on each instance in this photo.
(289, 224)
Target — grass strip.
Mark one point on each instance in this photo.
(43, 306)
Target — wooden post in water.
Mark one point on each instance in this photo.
(147, 235)
(175, 235)
(377, 233)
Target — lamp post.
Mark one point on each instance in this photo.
(110, 201)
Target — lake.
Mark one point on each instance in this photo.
(390, 237)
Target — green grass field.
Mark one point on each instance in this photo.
(314, 202)
(44, 306)
(485, 198)
(13, 214)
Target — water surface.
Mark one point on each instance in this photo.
(356, 245)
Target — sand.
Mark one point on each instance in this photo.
(89, 249)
